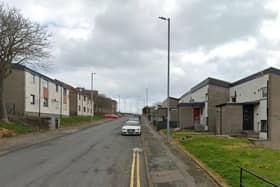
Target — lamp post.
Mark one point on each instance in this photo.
(168, 76)
(92, 104)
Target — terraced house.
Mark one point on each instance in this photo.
(253, 108)
(81, 103)
(197, 107)
(29, 93)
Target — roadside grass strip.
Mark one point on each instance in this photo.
(11, 129)
(80, 119)
(224, 155)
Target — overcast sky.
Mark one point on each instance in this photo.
(125, 44)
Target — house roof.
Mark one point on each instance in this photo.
(256, 75)
(191, 104)
(24, 68)
(208, 81)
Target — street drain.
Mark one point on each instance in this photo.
(166, 176)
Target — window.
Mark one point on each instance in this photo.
(263, 125)
(46, 102)
(85, 98)
(33, 79)
(206, 97)
(264, 92)
(79, 108)
(45, 84)
(84, 109)
(64, 91)
(56, 88)
(32, 99)
(79, 96)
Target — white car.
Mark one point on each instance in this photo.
(131, 128)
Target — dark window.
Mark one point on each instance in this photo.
(233, 99)
(84, 98)
(84, 109)
(263, 126)
(33, 79)
(32, 99)
(56, 88)
(264, 92)
(64, 91)
(79, 108)
(79, 96)
(46, 102)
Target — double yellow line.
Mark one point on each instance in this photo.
(135, 160)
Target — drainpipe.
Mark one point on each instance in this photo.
(221, 120)
(39, 96)
(61, 102)
(267, 109)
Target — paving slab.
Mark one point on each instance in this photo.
(168, 167)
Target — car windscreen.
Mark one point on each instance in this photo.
(132, 123)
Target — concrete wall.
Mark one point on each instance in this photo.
(252, 91)
(14, 92)
(274, 111)
(172, 103)
(185, 115)
(229, 119)
(217, 95)
(84, 104)
(73, 104)
(58, 103)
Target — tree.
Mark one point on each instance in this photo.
(21, 41)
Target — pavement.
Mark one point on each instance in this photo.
(97, 156)
(168, 167)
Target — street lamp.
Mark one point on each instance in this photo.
(168, 76)
(92, 104)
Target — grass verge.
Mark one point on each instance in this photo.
(225, 155)
(80, 119)
(15, 127)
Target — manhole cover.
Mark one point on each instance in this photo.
(166, 176)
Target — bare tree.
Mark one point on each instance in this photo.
(21, 41)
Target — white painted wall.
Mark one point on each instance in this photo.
(84, 103)
(54, 105)
(252, 91)
(198, 96)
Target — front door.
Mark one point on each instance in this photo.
(248, 117)
(196, 115)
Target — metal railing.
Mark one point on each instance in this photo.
(242, 170)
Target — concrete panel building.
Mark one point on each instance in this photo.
(30, 93)
(197, 107)
(81, 103)
(253, 108)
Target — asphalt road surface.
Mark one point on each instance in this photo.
(98, 156)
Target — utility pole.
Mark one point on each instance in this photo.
(92, 103)
(119, 104)
(168, 76)
(147, 96)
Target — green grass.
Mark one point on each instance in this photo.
(17, 128)
(80, 119)
(225, 156)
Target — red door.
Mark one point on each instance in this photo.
(196, 115)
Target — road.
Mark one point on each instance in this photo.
(97, 156)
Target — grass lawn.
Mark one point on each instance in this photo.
(79, 119)
(225, 156)
(16, 128)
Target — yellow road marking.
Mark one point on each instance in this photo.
(132, 170)
(138, 170)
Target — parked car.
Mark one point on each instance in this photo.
(131, 128)
(111, 116)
